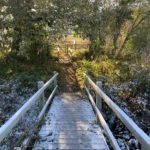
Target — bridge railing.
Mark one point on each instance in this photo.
(139, 134)
(13, 121)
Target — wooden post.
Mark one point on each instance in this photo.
(85, 85)
(55, 81)
(85, 80)
(98, 99)
(42, 98)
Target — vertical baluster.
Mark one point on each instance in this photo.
(42, 98)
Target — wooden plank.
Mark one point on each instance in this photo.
(65, 129)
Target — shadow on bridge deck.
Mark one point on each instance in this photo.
(70, 124)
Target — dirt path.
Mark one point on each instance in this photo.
(67, 74)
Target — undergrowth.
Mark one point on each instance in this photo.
(12, 66)
(114, 71)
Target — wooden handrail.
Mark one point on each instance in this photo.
(142, 137)
(28, 140)
(13, 121)
(103, 122)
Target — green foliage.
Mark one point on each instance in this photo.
(110, 70)
(29, 28)
(14, 65)
(80, 54)
(103, 69)
(112, 29)
(119, 35)
(35, 44)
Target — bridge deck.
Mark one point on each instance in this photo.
(70, 124)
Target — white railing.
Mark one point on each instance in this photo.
(13, 121)
(141, 136)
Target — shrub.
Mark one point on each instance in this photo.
(103, 69)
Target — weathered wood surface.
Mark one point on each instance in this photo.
(70, 124)
(139, 134)
(6, 128)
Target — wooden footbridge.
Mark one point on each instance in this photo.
(72, 122)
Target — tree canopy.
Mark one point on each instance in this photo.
(116, 28)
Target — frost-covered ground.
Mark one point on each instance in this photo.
(135, 105)
(13, 94)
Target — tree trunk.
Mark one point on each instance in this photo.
(134, 25)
